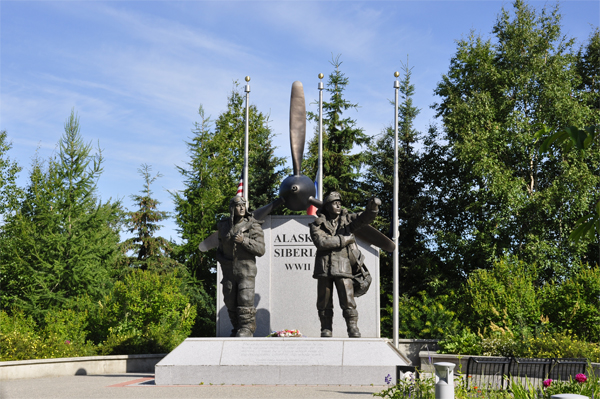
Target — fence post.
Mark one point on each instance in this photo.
(444, 380)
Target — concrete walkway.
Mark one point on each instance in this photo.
(141, 385)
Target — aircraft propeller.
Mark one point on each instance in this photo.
(298, 191)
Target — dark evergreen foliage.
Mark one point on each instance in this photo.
(62, 241)
(148, 252)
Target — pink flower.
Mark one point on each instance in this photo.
(69, 342)
(581, 378)
(547, 383)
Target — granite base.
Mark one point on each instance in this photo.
(280, 361)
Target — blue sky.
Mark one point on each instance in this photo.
(137, 71)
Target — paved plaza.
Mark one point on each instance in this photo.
(141, 385)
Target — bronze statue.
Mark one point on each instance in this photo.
(338, 259)
(241, 240)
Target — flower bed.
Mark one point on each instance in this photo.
(409, 387)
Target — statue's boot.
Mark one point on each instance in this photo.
(234, 322)
(351, 316)
(246, 321)
(326, 317)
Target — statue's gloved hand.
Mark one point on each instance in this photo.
(239, 238)
(374, 204)
(347, 240)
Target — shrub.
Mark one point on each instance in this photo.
(505, 343)
(147, 312)
(63, 335)
(423, 317)
(464, 343)
(574, 304)
(560, 345)
(18, 339)
(491, 297)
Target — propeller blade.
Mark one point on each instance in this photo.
(373, 236)
(261, 212)
(366, 233)
(297, 125)
(315, 202)
(212, 241)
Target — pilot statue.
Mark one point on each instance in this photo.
(241, 240)
(337, 259)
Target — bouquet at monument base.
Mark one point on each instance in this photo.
(285, 333)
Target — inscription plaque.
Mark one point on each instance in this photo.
(281, 353)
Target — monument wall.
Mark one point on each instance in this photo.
(286, 292)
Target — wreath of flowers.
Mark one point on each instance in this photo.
(285, 333)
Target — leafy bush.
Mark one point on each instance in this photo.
(18, 337)
(63, 335)
(492, 297)
(505, 343)
(463, 343)
(560, 345)
(147, 312)
(423, 317)
(574, 304)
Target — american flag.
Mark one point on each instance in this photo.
(240, 190)
(312, 210)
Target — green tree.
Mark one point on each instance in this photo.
(496, 195)
(588, 67)
(148, 252)
(9, 192)
(211, 178)
(341, 167)
(62, 241)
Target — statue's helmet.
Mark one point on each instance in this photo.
(236, 200)
(333, 196)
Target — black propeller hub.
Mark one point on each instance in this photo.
(295, 191)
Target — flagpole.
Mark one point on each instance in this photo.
(320, 168)
(396, 268)
(246, 188)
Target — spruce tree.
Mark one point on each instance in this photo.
(62, 240)
(148, 252)
(341, 162)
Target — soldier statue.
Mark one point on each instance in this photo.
(337, 258)
(241, 240)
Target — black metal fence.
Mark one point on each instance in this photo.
(486, 373)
